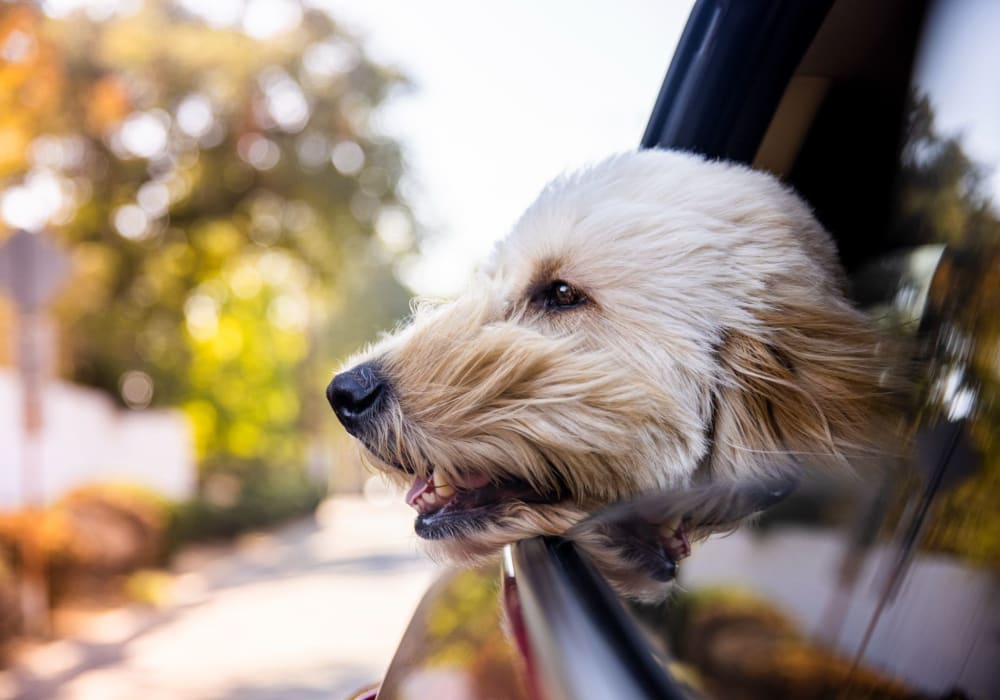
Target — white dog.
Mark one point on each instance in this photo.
(651, 322)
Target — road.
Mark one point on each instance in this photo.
(312, 610)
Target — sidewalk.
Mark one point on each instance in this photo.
(313, 610)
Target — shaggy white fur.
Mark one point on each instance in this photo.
(650, 321)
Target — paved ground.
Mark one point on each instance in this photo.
(313, 610)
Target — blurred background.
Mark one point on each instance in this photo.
(204, 208)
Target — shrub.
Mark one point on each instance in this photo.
(249, 502)
(10, 609)
(103, 540)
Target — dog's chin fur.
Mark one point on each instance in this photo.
(715, 343)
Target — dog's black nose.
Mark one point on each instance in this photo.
(354, 394)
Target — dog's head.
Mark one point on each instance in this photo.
(652, 320)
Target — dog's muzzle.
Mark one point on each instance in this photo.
(357, 396)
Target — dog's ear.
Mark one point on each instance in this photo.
(811, 381)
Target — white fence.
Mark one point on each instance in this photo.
(86, 439)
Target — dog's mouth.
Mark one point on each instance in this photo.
(452, 509)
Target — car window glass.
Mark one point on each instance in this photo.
(891, 585)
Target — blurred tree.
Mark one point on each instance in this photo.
(944, 197)
(223, 187)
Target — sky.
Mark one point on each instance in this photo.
(954, 70)
(506, 96)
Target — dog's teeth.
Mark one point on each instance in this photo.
(428, 496)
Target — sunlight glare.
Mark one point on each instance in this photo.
(285, 103)
(32, 204)
(131, 221)
(144, 134)
(195, 116)
(264, 19)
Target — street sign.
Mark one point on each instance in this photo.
(32, 269)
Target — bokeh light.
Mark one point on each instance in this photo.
(348, 157)
(136, 389)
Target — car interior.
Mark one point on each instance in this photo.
(844, 106)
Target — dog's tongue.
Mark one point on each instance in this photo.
(419, 488)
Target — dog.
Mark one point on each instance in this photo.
(654, 321)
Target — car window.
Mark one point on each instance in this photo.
(890, 128)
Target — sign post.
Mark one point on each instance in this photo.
(31, 271)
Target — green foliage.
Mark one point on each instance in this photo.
(223, 196)
(148, 586)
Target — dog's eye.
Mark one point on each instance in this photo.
(561, 295)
